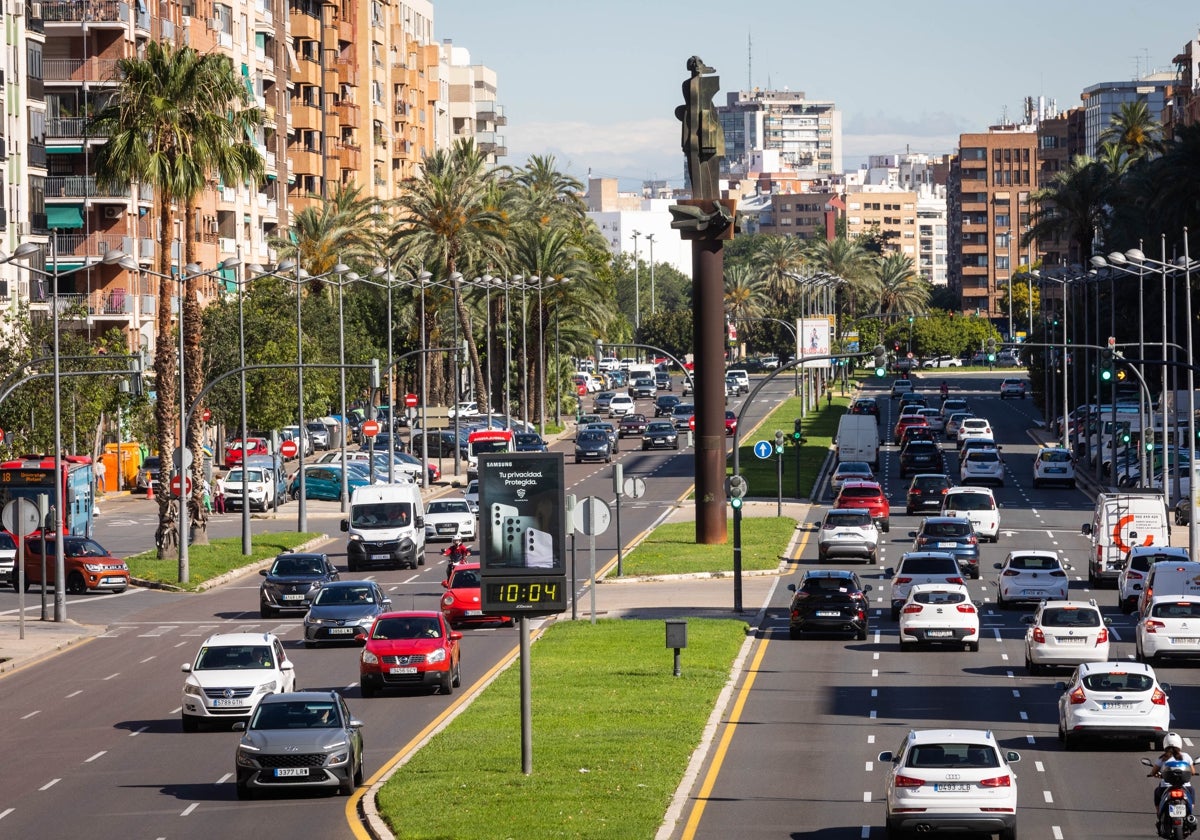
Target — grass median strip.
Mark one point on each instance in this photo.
(206, 562)
(671, 549)
(613, 731)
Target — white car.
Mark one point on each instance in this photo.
(1131, 582)
(954, 405)
(1170, 626)
(254, 486)
(770, 362)
(901, 387)
(942, 362)
(977, 504)
(446, 519)
(974, 427)
(1114, 699)
(939, 612)
(933, 416)
(982, 466)
(620, 405)
(1053, 464)
(850, 471)
(471, 494)
(1013, 387)
(916, 568)
(8, 559)
(1065, 633)
(1031, 575)
(230, 674)
(948, 779)
(848, 532)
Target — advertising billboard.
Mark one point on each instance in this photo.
(522, 512)
(814, 336)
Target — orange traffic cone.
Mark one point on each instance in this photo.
(150, 490)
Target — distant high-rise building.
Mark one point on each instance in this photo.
(806, 133)
(470, 104)
(1103, 101)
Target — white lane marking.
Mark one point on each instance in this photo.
(160, 630)
(866, 832)
(224, 779)
(1016, 692)
(282, 629)
(874, 692)
(866, 796)
(1049, 533)
(112, 676)
(202, 630)
(1029, 739)
(93, 758)
(177, 710)
(1004, 656)
(8, 811)
(874, 672)
(1058, 835)
(878, 635)
(147, 659)
(1041, 768)
(352, 685)
(873, 714)
(1112, 631)
(393, 588)
(1024, 715)
(73, 693)
(870, 766)
(189, 809)
(138, 731)
(1187, 741)
(31, 714)
(1046, 794)
(996, 633)
(876, 656)
(50, 784)
(1008, 674)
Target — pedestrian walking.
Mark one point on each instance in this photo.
(206, 496)
(219, 497)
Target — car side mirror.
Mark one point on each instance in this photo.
(186, 667)
(262, 572)
(387, 603)
(345, 524)
(889, 572)
(1164, 686)
(240, 726)
(1027, 619)
(1086, 530)
(912, 533)
(455, 635)
(997, 565)
(420, 522)
(866, 587)
(887, 756)
(1012, 756)
(286, 665)
(355, 723)
(791, 587)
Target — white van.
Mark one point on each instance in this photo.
(858, 439)
(1171, 579)
(386, 527)
(1119, 522)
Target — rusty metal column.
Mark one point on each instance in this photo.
(708, 329)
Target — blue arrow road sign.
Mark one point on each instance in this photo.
(764, 449)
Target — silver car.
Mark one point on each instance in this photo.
(342, 610)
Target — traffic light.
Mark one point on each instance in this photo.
(136, 383)
(375, 381)
(1125, 436)
(797, 432)
(779, 439)
(1149, 441)
(1121, 374)
(991, 350)
(896, 346)
(1106, 366)
(735, 488)
(880, 360)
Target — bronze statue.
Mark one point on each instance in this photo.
(703, 137)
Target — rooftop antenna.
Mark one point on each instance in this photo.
(749, 62)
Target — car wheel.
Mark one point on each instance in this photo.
(457, 675)
(366, 689)
(908, 511)
(1126, 606)
(895, 613)
(244, 791)
(1001, 603)
(820, 556)
(893, 833)
(794, 634)
(1032, 667)
(190, 723)
(309, 645)
(351, 564)
(861, 635)
(346, 786)
(75, 584)
(887, 525)
(359, 772)
(447, 683)
(265, 612)
(973, 647)
(907, 646)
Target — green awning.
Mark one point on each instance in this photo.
(64, 216)
(63, 267)
(63, 150)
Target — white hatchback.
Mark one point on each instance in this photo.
(230, 674)
(982, 466)
(1065, 633)
(1053, 464)
(939, 613)
(977, 504)
(1031, 575)
(951, 779)
(1131, 582)
(1169, 627)
(1113, 699)
(975, 427)
(620, 405)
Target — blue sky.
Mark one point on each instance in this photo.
(595, 84)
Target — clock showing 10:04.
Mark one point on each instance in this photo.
(524, 594)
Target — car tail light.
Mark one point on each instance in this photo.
(916, 491)
(1158, 698)
(973, 540)
(966, 608)
(912, 609)
(1077, 696)
(861, 615)
(1010, 573)
(903, 580)
(922, 540)
(1152, 626)
(1039, 636)
(1059, 573)
(957, 580)
(1132, 575)
(1102, 636)
(996, 782)
(908, 782)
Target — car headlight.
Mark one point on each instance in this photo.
(438, 655)
(338, 758)
(369, 658)
(267, 688)
(93, 567)
(192, 689)
(356, 538)
(245, 756)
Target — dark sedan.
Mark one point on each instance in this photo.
(660, 434)
(921, 456)
(592, 445)
(952, 535)
(342, 610)
(829, 601)
(926, 491)
(665, 404)
(529, 442)
(631, 425)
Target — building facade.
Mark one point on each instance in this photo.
(806, 133)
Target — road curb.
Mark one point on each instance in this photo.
(232, 574)
(86, 633)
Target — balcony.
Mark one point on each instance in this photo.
(304, 161)
(37, 154)
(349, 156)
(79, 70)
(91, 244)
(303, 25)
(83, 186)
(347, 72)
(349, 114)
(306, 117)
(309, 72)
(77, 11)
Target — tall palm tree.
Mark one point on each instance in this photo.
(344, 228)
(1074, 206)
(777, 258)
(901, 289)
(447, 222)
(1174, 183)
(848, 259)
(1134, 130)
(545, 194)
(176, 117)
(747, 292)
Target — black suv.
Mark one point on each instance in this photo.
(593, 445)
(292, 581)
(926, 491)
(920, 456)
(665, 404)
(829, 601)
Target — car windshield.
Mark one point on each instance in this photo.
(343, 596)
(968, 501)
(1176, 609)
(940, 596)
(1070, 617)
(291, 566)
(77, 547)
(465, 579)
(853, 468)
(414, 627)
(381, 515)
(296, 715)
(948, 529)
(828, 584)
(847, 520)
(592, 436)
(235, 658)
(927, 565)
(448, 507)
(983, 456)
(1118, 681)
(952, 755)
(660, 428)
(852, 492)
(1033, 564)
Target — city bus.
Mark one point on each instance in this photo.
(486, 441)
(32, 477)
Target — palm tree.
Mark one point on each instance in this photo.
(1174, 182)
(1073, 207)
(545, 194)
(747, 292)
(344, 228)
(777, 259)
(847, 259)
(176, 117)
(902, 291)
(1134, 130)
(446, 221)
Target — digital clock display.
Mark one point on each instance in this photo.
(524, 594)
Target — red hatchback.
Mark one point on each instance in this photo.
(254, 447)
(407, 650)
(730, 423)
(906, 421)
(869, 495)
(460, 604)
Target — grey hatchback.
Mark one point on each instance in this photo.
(592, 445)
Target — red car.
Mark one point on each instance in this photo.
(904, 422)
(730, 423)
(407, 649)
(460, 604)
(869, 495)
(254, 447)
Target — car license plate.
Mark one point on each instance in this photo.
(660, 440)
(1116, 706)
(1177, 809)
(380, 556)
(1184, 640)
(939, 634)
(947, 544)
(1070, 640)
(952, 788)
(1055, 470)
(1037, 593)
(227, 702)
(293, 597)
(828, 614)
(341, 629)
(403, 670)
(281, 772)
(472, 612)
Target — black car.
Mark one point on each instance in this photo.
(912, 433)
(592, 445)
(529, 442)
(631, 425)
(662, 381)
(291, 582)
(920, 456)
(926, 491)
(829, 601)
(665, 404)
(952, 535)
(660, 434)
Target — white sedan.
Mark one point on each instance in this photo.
(1169, 627)
(1113, 699)
(446, 519)
(1065, 633)
(1031, 576)
(939, 612)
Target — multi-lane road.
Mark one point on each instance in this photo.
(93, 743)
(814, 714)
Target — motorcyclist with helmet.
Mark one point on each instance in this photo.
(457, 552)
(1173, 757)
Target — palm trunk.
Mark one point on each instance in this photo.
(165, 416)
(193, 354)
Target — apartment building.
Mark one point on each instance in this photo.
(807, 133)
(1183, 108)
(889, 213)
(471, 106)
(1103, 100)
(989, 185)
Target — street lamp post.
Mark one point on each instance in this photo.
(650, 239)
(542, 366)
(637, 288)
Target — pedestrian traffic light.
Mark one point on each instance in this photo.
(1149, 441)
(1106, 366)
(880, 360)
(797, 432)
(991, 350)
(1125, 436)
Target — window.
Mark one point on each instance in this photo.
(1002, 262)
(1001, 220)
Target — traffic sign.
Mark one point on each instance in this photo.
(289, 449)
(175, 485)
(1, 436)
(206, 415)
(181, 458)
(410, 400)
(592, 516)
(634, 488)
(20, 517)
(910, 355)
(763, 449)
(370, 428)
(692, 423)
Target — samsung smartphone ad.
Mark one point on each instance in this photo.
(522, 513)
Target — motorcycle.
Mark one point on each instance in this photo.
(1175, 818)
(456, 554)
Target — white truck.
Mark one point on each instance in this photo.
(1119, 522)
(386, 527)
(858, 439)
